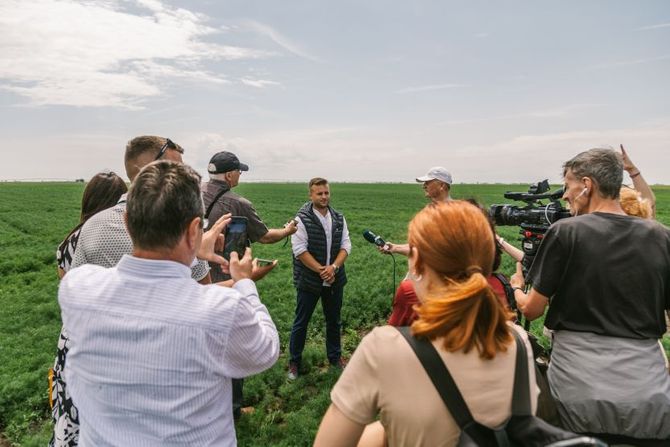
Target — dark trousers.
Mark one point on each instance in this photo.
(331, 302)
(238, 397)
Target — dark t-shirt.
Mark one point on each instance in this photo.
(605, 273)
(237, 205)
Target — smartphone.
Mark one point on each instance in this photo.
(263, 262)
(236, 237)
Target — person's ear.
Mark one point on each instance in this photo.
(193, 232)
(588, 185)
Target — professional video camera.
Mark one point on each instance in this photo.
(534, 218)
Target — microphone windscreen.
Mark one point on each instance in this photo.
(369, 236)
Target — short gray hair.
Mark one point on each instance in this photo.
(162, 201)
(603, 166)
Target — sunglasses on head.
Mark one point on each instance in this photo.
(168, 144)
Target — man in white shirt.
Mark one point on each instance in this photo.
(320, 247)
(152, 352)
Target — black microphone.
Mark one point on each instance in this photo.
(373, 238)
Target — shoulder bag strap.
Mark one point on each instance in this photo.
(218, 195)
(521, 393)
(439, 375)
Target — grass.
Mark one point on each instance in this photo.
(34, 217)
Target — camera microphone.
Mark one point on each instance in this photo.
(373, 238)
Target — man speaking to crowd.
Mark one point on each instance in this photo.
(606, 279)
(151, 350)
(320, 247)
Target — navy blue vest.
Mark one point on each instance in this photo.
(303, 277)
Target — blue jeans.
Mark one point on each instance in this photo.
(331, 302)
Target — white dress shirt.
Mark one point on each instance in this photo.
(299, 239)
(152, 352)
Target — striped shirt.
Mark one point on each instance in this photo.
(104, 239)
(152, 352)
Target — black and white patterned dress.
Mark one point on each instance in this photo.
(63, 412)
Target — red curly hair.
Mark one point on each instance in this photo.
(454, 239)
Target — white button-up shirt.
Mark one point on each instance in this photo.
(299, 239)
(152, 352)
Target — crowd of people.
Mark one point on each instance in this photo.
(159, 330)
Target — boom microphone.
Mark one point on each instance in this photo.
(373, 238)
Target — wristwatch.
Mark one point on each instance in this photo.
(336, 267)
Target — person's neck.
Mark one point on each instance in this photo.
(441, 198)
(600, 205)
(163, 255)
(322, 210)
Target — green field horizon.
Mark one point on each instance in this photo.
(36, 216)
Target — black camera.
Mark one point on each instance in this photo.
(534, 218)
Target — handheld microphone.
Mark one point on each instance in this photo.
(373, 238)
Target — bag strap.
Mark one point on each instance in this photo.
(441, 378)
(521, 393)
(446, 387)
(218, 195)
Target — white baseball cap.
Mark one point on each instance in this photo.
(436, 173)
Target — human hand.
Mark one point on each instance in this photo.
(291, 227)
(327, 273)
(628, 165)
(517, 279)
(386, 249)
(241, 268)
(213, 240)
(258, 272)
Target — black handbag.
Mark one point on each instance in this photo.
(521, 429)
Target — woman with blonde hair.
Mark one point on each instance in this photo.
(633, 204)
(451, 254)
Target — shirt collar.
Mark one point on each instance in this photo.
(152, 268)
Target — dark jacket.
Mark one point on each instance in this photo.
(303, 277)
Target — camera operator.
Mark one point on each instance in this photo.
(606, 278)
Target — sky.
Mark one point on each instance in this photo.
(359, 91)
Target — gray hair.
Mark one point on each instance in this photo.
(603, 166)
(162, 202)
(221, 177)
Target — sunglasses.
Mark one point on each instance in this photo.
(168, 144)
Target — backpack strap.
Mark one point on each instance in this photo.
(521, 393)
(441, 378)
(439, 374)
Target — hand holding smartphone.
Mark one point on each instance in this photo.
(236, 237)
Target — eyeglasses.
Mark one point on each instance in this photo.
(168, 144)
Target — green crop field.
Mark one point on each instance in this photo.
(34, 217)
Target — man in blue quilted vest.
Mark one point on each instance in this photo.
(320, 247)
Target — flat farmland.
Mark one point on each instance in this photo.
(34, 218)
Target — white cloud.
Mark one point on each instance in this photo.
(559, 112)
(258, 83)
(555, 112)
(529, 158)
(650, 27)
(281, 40)
(426, 88)
(100, 54)
(630, 62)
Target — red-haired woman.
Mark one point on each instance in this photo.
(451, 255)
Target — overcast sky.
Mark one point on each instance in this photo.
(349, 90)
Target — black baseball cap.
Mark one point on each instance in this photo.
(223, 162)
